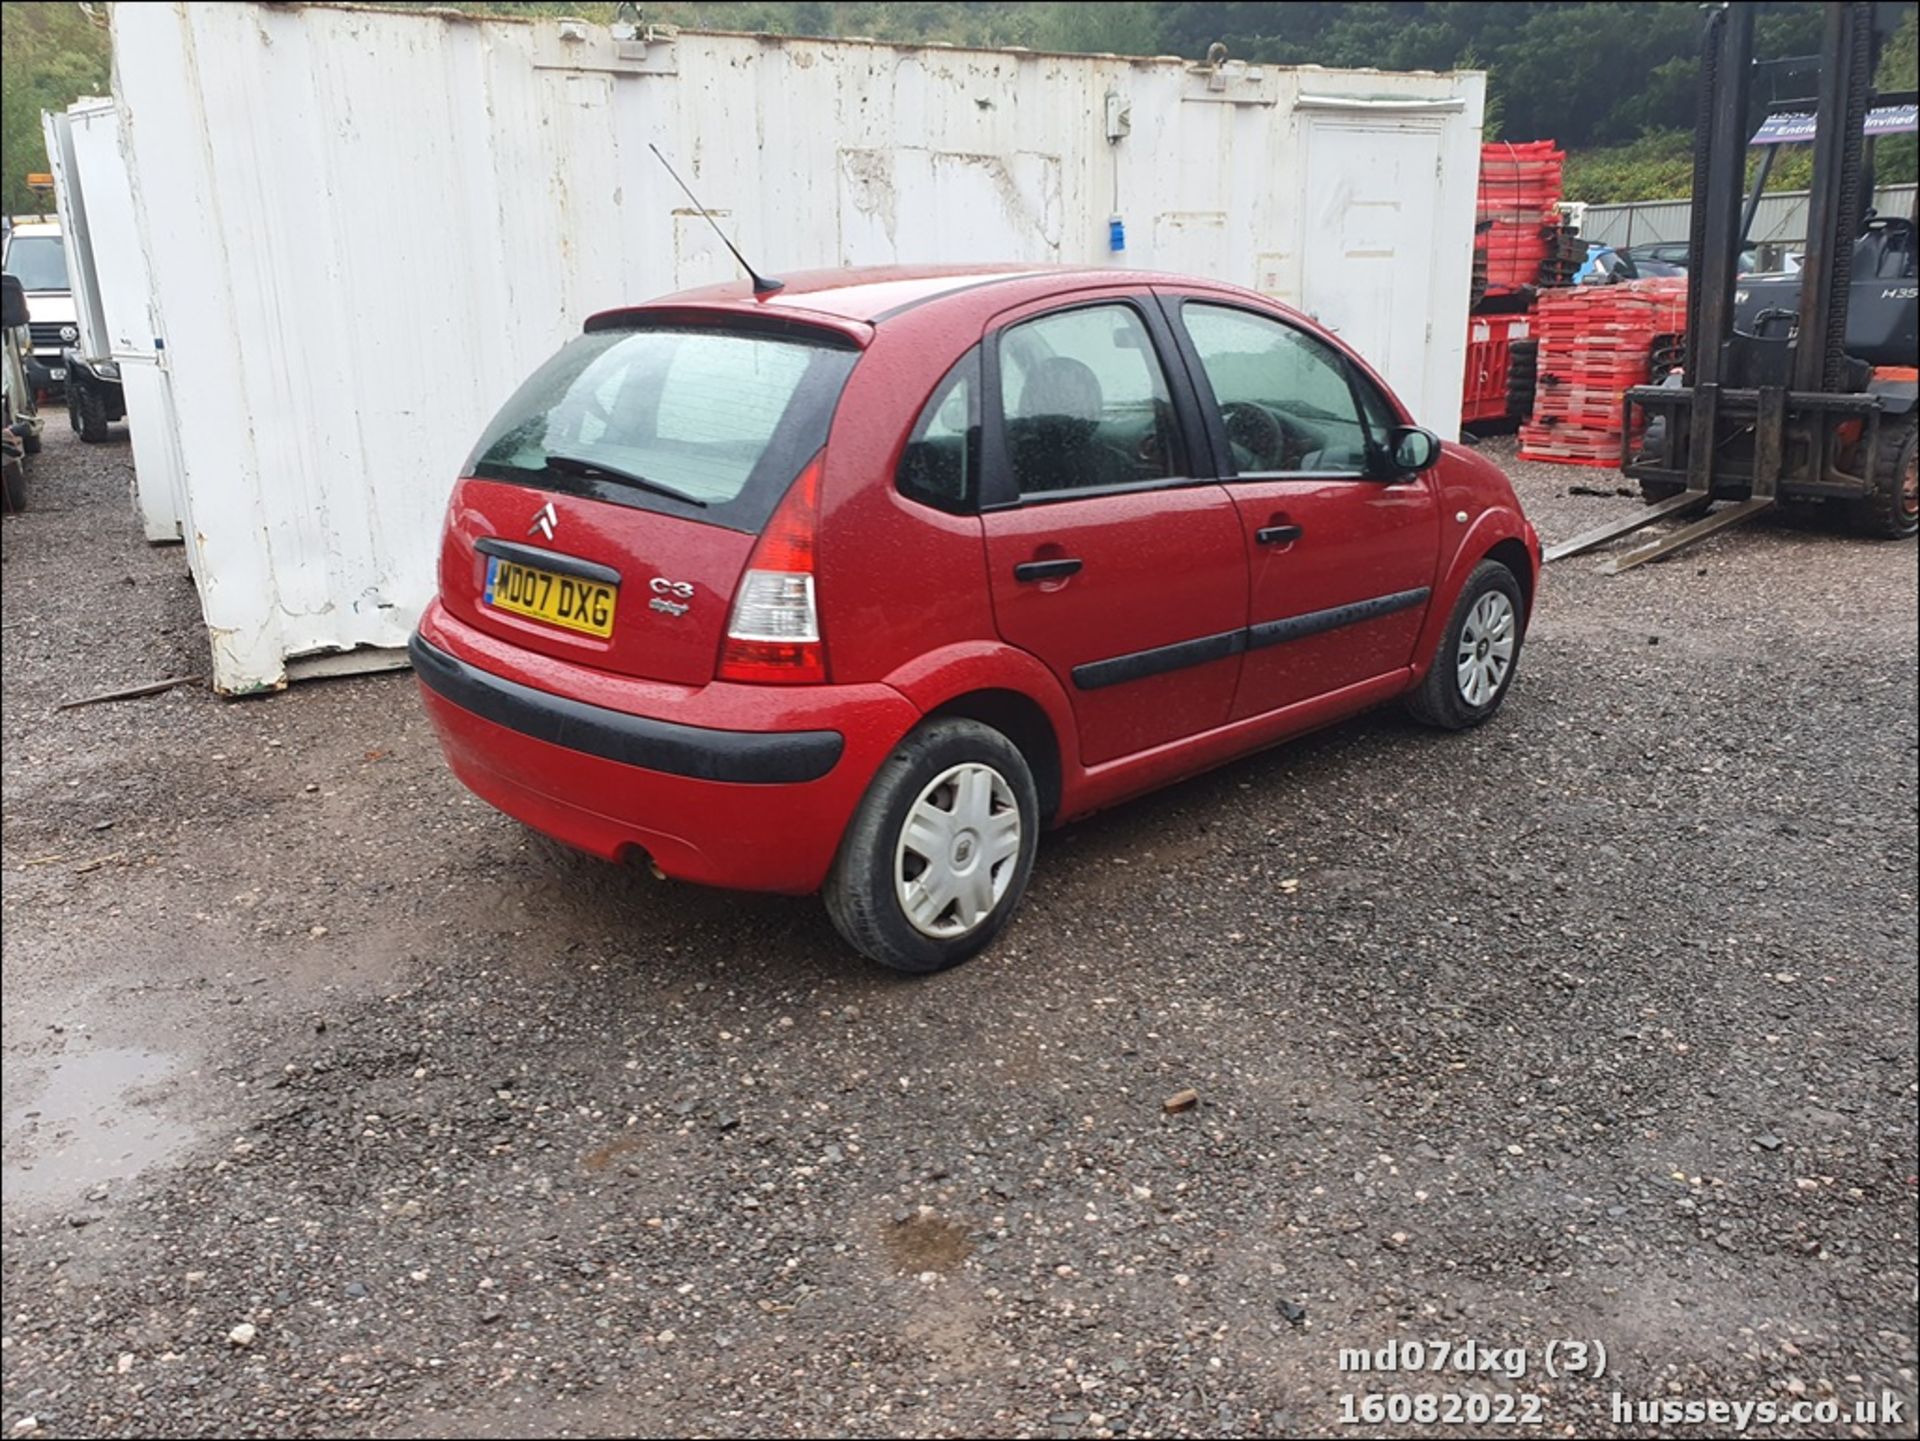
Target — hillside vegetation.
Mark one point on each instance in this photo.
(1613, 83)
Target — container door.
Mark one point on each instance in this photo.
(1367, 270)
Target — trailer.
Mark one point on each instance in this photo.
(362, 227)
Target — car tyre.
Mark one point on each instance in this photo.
(90, 410)
(1473, 666)
(958, 788)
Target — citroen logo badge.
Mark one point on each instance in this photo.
(544, 521)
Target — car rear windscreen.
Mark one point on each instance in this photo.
(711, 424)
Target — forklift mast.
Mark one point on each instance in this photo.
(1771, 413)
(1816, 357)
(1836, 200)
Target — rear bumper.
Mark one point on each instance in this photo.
(706, 797)
(698, 752)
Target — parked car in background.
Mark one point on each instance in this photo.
(860, 585)
(1663, 258)
(37, 258)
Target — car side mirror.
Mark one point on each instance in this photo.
(1413, 449)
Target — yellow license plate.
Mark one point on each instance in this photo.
(562, 600)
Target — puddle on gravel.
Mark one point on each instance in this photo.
(927, 1243)
(86, 1124)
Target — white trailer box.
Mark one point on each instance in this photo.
(113, 297)
(365, 227)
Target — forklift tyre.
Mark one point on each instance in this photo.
(1655, 491)
(1892, 511)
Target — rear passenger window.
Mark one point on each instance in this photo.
(1085, 402)
(943, 453)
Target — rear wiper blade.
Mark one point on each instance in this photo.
(593, 469)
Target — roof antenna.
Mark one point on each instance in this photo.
(762, 284)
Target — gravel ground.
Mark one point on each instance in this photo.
(1597, 1023)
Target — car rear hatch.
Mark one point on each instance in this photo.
(610, 509)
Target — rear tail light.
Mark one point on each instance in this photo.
(773, 635)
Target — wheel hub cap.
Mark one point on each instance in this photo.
(1485, 655)
(957, 851)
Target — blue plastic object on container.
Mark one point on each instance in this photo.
(1116, 234)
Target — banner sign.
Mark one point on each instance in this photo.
(1798, 129)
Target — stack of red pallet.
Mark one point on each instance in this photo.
(1519, 188)
(1595, 342)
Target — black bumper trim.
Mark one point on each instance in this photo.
(742, 757)
(1298, 627)
(1139, 664)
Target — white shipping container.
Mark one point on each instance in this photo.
(113, 297)
(365, 227)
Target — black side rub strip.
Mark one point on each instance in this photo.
(746, 757)
(547, 560)
(1140, 664)
(1298, 627)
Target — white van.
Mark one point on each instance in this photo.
(37, 256)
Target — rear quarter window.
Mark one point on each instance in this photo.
(941, 463)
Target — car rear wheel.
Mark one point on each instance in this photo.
(938, 855)
(1474, 665)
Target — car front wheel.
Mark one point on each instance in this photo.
(1474, 665)
(937, 857)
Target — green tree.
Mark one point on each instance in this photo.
(50, 55)
(1615, 83)
(1577, 71)
(1896, 158)
(1123, 27)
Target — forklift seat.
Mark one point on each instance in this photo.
(1885, 250)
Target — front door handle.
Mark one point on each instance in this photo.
(1046, 569)
(1277, 534)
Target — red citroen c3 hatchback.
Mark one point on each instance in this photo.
(859, 585)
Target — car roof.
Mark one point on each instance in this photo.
(857, 299)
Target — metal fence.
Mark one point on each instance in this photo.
(1779, 225)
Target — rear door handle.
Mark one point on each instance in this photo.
(1277, 534)
(1046, 569)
